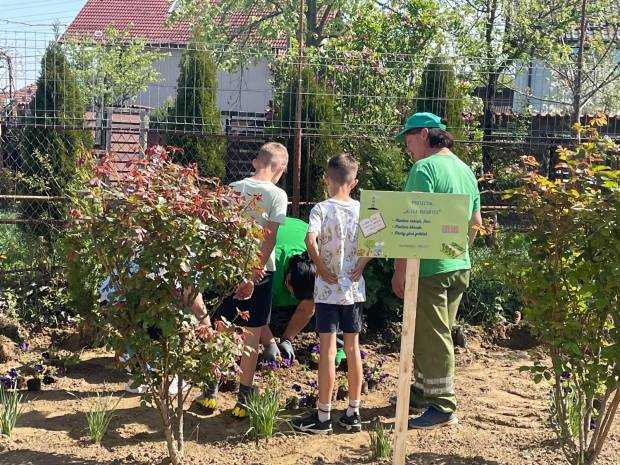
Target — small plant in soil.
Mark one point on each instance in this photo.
(374, 375)
(380, 442)
(11, 410)
(264, 414)
(99, 417)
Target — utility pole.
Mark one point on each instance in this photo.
(298, 104)
(583, 31)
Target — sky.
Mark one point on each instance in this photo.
(26, 27)
(41, 14)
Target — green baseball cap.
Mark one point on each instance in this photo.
(420, 120)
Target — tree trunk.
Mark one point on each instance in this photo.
(577, 97)
(487, 124)
(175, 455)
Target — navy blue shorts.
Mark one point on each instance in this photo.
(259, 306)
(331, 317)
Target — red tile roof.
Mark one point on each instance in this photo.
(145, 19)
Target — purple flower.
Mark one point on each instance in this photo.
(312, 383)
(23, 346)
(383, 377)
(45, 355)
(6, 382)
(287, 362)
(363, 354)
(39, 368)
(296, 387)
(315, 349)
(13, 373)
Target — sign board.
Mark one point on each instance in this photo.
(413, 225)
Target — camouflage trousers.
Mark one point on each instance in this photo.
(439, 297)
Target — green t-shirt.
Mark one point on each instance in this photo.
(444, 173)
(290, 241)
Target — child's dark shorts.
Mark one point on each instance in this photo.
(331, 317)
(258, 306)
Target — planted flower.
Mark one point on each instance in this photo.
(23, 346)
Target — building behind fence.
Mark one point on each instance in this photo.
(251, 100)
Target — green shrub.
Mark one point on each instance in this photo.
(53, 142)
(569, 282)
(490, 297)
(195, 111)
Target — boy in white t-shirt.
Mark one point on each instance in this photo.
(338, 293)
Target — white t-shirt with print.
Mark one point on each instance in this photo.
(335, 224)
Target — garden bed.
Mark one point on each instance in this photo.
(503, 420)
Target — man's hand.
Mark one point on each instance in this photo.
(245, 291)
(357, 272)
(398, 284)
(325, 274)
(286, 350)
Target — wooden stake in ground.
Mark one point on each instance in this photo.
(406, 360)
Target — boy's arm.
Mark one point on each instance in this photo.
(321, 269)
(269, 242)
(197, 306)
(356, 273)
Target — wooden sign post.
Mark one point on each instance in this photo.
(405, 368)
(411, 225)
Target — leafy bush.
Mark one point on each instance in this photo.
(196, 111)
(569, 282)
(162, 235)
(49, 155)
(490, 297)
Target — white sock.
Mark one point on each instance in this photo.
(324, 411)
(354, 407)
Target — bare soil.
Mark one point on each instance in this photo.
(503, 420)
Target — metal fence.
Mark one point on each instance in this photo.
(348, 98)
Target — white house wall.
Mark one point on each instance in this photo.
(247, 91)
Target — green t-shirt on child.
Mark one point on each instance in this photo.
(290, 241)
(448, 174)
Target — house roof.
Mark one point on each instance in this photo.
(146, 19)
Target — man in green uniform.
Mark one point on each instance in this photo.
(293, 286)
(442, 282)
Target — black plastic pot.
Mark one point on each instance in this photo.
(33, 384)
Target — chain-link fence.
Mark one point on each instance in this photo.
(62, 95)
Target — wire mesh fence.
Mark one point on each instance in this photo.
(60, 95)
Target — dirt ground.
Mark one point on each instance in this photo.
(503, 420)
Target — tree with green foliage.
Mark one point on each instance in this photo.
(564, 266)
(195, 116)
(497, 36)
(321, 125)
(54, 141)
(111, 70)
(439, 94)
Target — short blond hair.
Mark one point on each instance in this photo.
(272, 153)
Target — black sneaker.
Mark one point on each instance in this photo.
(352, 423)
(311, 424)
